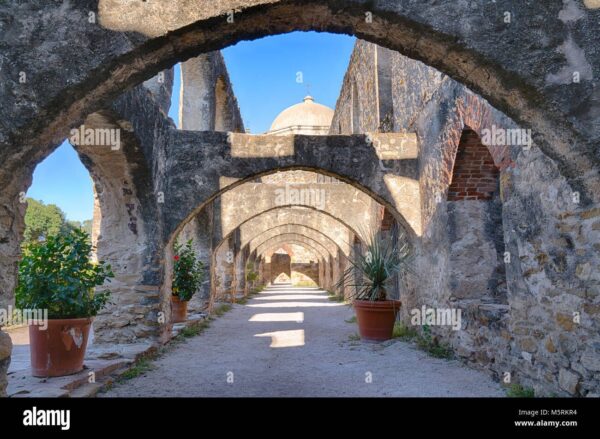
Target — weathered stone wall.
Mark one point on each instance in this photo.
(207, 101)
(280, 264)
(526, 68)
(305, 273)
(365, 101)
(528, 294)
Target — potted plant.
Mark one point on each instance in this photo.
(58, 276)
(188, 273)
(370, 273)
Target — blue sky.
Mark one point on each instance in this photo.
(263, 74)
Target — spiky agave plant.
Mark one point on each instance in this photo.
(371, 270)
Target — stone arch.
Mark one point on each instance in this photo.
(382, 165)
(282, 262)
(466, 54)
(352, 207)
(230, 257)
(125, 236)
(296, 229)
(308, 269)
(125, 215)
(561, 115)
(333, 229)
(293, 238)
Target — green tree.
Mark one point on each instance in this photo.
(85, 225)
(42, 220)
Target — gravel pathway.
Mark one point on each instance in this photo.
(295, 342)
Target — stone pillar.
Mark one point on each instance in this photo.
(327, 285)
(342, 264)
(335, 272)
(161, 87)
(242, 257)
(321, 273)
(11, 231)
(223, 269)
(126, 234)
(266, 272)
(196, 102)
(5, 351)
(199, 229)
(255, 263)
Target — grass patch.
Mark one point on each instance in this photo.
(351, 320)
(139, 368)
(336, 298)
(354, 337)
(222, 309)
(305, 283)
(424, 340)
(403, 332)
(518, 391)
(242, 301)
(434, 349)
(194, 330)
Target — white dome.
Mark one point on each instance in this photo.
(307, 117)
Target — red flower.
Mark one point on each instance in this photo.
(176, 257)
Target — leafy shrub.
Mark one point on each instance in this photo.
(188, 271)
(59, 275)
(371, 271)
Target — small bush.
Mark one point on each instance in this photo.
(59, 275)
(222, 309)
(188, 271)
(139, 368)
(403, 332)
(518, 391)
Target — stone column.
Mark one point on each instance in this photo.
(5, 351)
(196, 102)
(223, 270)
(336, 272)
(321, 273)
(199, 229)
(12, 224)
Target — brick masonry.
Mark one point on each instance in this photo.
(475, 176)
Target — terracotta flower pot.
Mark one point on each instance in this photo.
(178, 310)
(60, 349)
(376, 318)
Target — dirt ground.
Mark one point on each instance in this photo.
(296, 342)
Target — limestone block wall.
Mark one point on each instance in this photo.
(280, 264)
(365, 102)
(519, 262)
(304, 273)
